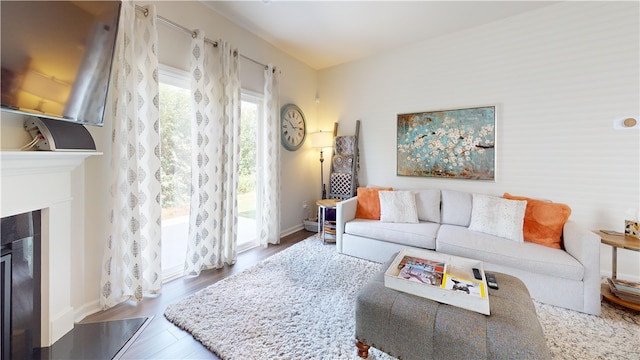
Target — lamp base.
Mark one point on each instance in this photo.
(324, 192)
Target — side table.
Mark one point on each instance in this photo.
(618, 242)
(326, 227)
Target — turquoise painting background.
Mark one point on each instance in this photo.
(456, 143)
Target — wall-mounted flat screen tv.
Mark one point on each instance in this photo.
(56, 58)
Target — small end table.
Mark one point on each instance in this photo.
(325, 228)
(618, 242)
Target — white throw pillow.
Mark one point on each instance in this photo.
(428, 205)
(398, 206)
(498, 216)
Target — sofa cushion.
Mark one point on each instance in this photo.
(398, 207)
(456, 207)
(460, 241)
(421, 235)
(369, 203)
(497, 216)
(428, 204)
(543, 221)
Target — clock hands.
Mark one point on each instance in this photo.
(293, 126)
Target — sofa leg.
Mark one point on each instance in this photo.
(363, 349)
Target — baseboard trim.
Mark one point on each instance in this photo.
(86, 310)
(59, 325)
(291, 230)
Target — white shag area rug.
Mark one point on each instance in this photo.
(299, 304)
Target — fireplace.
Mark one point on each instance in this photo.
(41, 182)
(20, 300)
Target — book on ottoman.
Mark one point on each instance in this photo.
(440, 277)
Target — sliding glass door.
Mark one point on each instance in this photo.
(175, 132)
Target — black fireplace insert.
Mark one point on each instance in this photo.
(20, 285)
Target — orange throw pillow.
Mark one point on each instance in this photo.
(369, 203)
(543, 221)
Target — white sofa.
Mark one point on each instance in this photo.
(567, 277)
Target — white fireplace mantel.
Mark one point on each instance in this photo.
(41, 180)
(15, 162)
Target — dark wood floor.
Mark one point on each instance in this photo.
(163, 340)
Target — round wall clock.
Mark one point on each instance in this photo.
(293, 127)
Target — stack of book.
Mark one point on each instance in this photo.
(330, 227)
(625, 290)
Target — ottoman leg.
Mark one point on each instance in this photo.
(363, 349)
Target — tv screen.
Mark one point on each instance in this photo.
(56, 58)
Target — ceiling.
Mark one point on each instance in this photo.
(326, 33)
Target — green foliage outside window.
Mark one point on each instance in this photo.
(247, 179)
(175, 140)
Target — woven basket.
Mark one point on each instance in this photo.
(311, 225)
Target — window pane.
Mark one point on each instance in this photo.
(175, 141)
(247, 232)
(175, 133)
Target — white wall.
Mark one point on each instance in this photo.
(559, 76)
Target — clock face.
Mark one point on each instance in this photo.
(293, 127)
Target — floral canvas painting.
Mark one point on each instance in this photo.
(457, 144)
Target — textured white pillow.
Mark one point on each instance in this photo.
(398, 206)
(498, 216)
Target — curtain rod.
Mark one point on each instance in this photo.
(193, 33)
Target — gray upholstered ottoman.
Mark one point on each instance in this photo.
(411, 327)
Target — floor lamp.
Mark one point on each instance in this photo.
(321, 140)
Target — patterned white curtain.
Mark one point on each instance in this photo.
(215, 131)
(270, 229)
(131, 262)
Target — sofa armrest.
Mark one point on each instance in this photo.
(584, 245)
(345, 211)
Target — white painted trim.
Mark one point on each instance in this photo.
(15, 162)
(291, 230)
(174, 76)
(86, 310)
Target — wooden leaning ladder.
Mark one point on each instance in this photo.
(343, 177)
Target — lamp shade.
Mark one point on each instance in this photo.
(321, 139)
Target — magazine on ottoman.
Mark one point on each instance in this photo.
(440, 277)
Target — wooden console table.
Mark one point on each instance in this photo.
(618, 242)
